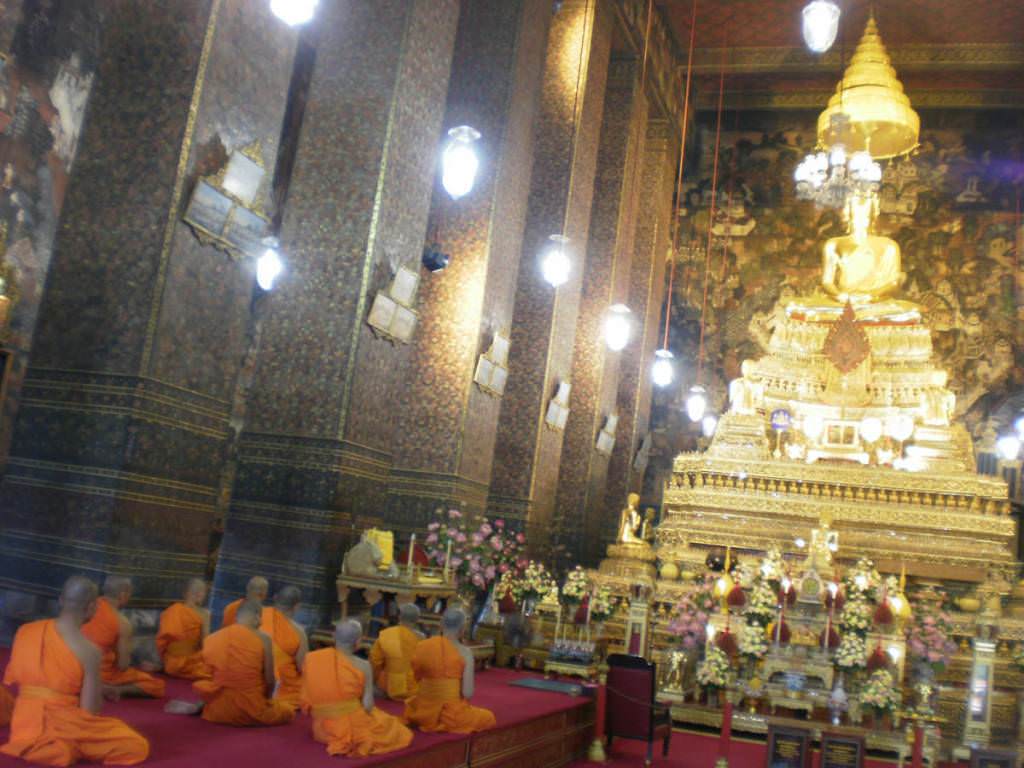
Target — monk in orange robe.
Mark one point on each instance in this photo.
(183, 627)
(56, 718)
(242, 660)
(256, 589)
(391, 655)
(289, 642)
(111, 632)
(337, 688)
(6, 706)
(444, 673)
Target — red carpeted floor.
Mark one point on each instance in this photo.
(187, 742)
(695, 750)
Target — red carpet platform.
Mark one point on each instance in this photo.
(699, 750)
(536, 729)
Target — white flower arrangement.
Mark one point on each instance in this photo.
(575, 587)
(601, 604)
(714, 671)
(534, 583)
(852, 652)
(863, 580)
(753, 641)
(856, 616)
(880, 693)
(773, 567)
(762, 606)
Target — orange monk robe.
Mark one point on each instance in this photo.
(179, 641)
(48, 726)
(237, 694)
(286, 641)
(104, 629)
(391, 657)
(332, 690)
(230, 611)
(438, 704)
(6, 706)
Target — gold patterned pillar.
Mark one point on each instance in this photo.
(445, 440)
(316, 449)
(590, 430)
(528, 450)
(125, 413)
(646, 293)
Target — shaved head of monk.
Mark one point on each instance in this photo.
(118, 589)
(287, 600)
(78, 599)
(347, 634)
(257, 589)
(453, 622)
(250, 614)
(409, 614)
(195, 592)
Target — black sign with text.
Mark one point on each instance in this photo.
(841, 751)
(788, 747)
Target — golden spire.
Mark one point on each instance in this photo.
(877, 113)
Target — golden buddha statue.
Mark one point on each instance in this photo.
(630, 522)
(860, 267)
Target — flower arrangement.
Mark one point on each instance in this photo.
(714, 671)
(753, 640)
(535, 581)
(773, 567)
(508, 586)
(763, 603)
(855, 618)
(575, 587)
(602, 604)
(929, 636)
(852, 652)
(862, 580)
(690, 618)
(880, 693)
(480, 551)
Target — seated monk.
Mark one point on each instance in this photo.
(444, 674)
(56, 717)
(111, 632)
(391, 655)
(183, 627)
(256, 589)
(289, 643)
(242, 660)
(337, 688)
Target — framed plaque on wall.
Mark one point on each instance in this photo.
(788, 747)
(842, 751)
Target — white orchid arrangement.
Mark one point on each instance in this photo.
(852, 652)
(753, 641)
(575, 587)
(880, 692)
(535, 581)
(856, 615)
(763, 604)
(714, 671)
(602, 604)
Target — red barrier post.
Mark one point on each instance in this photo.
(596, 752)
(917, 758)
(726, 735)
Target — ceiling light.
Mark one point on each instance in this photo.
(663, 372)
(696, 402)
(1008, 447)
(708, 424)
(555, 265)
(820, 25)
(459, 161)
(269, 265)
(617, 327)
(293, 12)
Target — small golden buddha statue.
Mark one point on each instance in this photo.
(630, 522)
(861, 267)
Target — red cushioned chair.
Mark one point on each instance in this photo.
(632, 712)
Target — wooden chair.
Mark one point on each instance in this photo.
(631, 711)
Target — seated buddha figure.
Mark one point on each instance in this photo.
(860, 267)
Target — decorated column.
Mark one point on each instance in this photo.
(533, 411)
(445, 441)
(316, 449)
